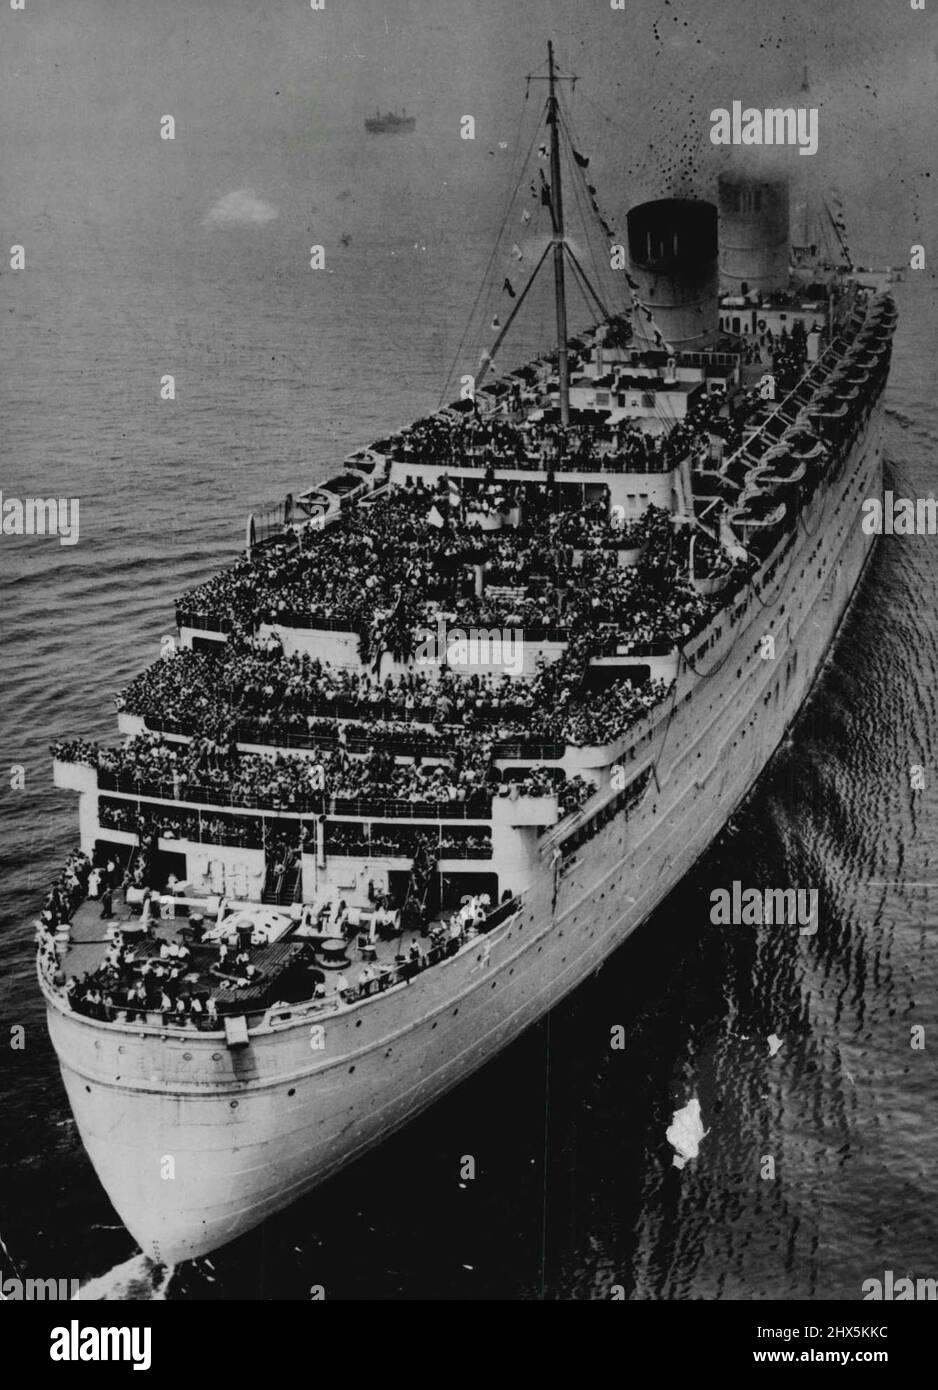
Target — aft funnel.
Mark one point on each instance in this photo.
(754, 234)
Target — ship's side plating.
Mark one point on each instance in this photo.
(250, 1129)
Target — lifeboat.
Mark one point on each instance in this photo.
(804, 443)
(784, 467)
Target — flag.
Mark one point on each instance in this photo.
(525, 215)
(435, 517)
(496, 323)
(542, 151)
(455, 496)
(581, 159)
(508, 288)
(516, 253)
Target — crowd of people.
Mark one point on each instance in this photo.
(590, 442)
(265, 697)
(389, 570)
(202, 771)
(255, 692)
(138, 978)
(364, 840)
(68, 890)
(379, 568)
(789, 359)
(83, 877)
(245, 832)
(145, 977)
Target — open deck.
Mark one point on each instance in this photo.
(302, 965)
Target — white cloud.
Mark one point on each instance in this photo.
(240, 208)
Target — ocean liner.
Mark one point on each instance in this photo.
(460, 718)
(390, 123)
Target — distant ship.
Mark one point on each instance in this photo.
(671, 525)
(390, 123)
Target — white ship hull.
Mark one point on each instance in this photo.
(244, 1132)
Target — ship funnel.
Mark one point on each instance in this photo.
(673, 255)
(754, 234)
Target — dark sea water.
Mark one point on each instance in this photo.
(279, 374)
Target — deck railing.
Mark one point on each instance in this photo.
(535, 464)
(473, 807)
(400, 973)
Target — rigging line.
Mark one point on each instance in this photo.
(804, 525)
(717, 666)
(631, 304)
(485, 283)
(577, 281)
(578, 196)
(522, 172)
(511, 317)
(494, 252)
(771, 604)
(578, 269)
(705, 675)
(837, 233)
(604, 311)
(580, 180)
(492, 300)
(664, 737)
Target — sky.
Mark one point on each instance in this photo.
(269, 98)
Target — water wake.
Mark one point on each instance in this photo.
(137, 1280)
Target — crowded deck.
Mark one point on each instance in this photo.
(294, 825)
(115, 952)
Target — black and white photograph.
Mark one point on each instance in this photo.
(469, 760)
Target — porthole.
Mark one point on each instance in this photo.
(292, 1091)
(187, 1056)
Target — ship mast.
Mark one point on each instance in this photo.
(556, 213)
(552, 196)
